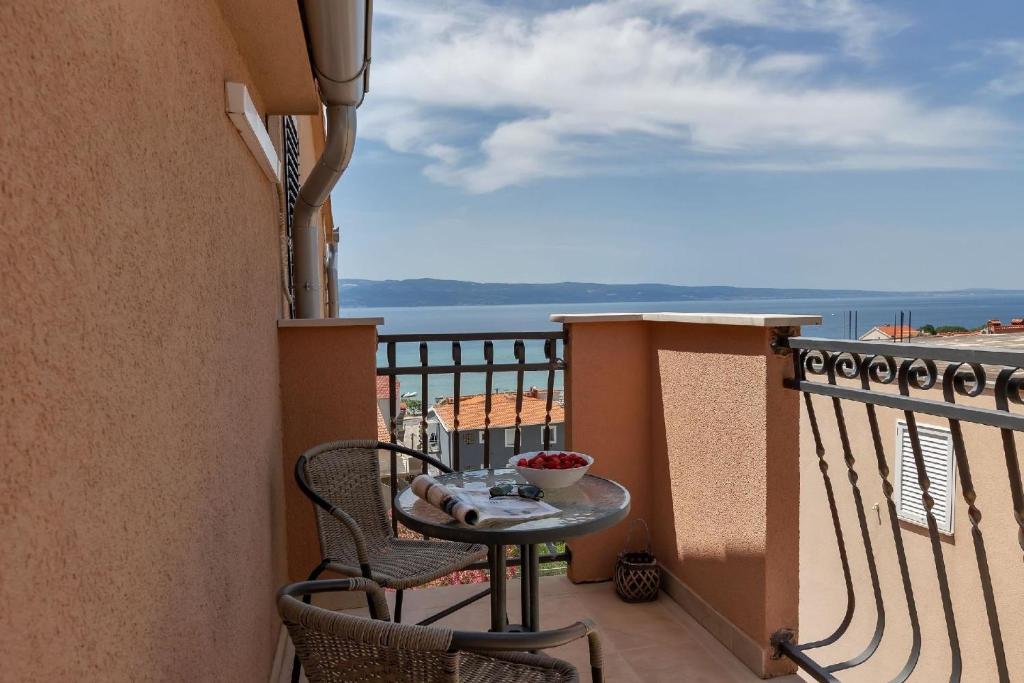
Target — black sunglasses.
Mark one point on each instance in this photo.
(524, 491)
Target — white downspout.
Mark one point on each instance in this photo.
(341, 137)
(332, 275)
(338, 33)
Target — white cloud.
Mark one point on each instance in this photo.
(787, 63)
(496, 96)
(1011, 82)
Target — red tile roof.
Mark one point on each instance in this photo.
(383, 433)
(383, 390)
(996, 326)
(895, 330)
(503, 411)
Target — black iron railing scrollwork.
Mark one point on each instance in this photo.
(539, 355)
(849, 372)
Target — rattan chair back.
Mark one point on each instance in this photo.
(338, 648)
(347, 475)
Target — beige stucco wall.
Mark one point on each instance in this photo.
(823, 598)
(328, 393)
(140, 487)
(693, 419)
(725, 476)
(608, 386)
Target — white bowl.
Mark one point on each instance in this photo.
(550, 479)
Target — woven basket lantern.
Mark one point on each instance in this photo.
(637, 576)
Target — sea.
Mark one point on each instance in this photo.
(965, 309)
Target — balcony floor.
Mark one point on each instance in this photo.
(649, 642)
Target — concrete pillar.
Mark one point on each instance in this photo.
(690, 413)
(328, 392)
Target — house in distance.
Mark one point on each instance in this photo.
(441, 427)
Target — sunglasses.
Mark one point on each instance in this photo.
(525, 491)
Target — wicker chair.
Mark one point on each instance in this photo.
(335, 647)
(342, 478)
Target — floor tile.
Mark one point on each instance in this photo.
(649, 642)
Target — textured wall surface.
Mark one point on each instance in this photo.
(608, 381)
(694, 420)
(140, 415)
(989, 557)
(330, 400)
(726, 489)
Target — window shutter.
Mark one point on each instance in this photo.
(291, 193)
(510, 438)
(937, 450)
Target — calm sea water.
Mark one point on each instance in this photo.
(968, 310)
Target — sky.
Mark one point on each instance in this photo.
(782, 143)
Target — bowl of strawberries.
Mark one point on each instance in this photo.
(551, 469)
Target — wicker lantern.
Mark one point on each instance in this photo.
(637, 576)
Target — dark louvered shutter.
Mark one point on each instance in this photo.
(291, 193)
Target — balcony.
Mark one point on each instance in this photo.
(650, 642)
(763, 461)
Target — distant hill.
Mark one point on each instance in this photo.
(432, 292)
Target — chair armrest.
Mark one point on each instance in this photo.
(299, 590)
(412, 453)
(541, 640)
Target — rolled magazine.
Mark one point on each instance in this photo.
(475, 507)
(444, 499)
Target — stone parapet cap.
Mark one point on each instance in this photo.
(745, 319)
(330, 322)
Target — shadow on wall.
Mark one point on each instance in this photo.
(889, 596)
(724, 480)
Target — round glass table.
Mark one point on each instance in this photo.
(590, 505)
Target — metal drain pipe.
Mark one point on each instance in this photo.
(338, 34)
(332, 276)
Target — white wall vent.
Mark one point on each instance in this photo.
(937, 450)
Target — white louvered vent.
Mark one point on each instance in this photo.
(937, 449)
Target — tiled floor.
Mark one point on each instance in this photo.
(647, 642)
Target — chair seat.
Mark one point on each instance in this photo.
(404, 563)
(514, 667)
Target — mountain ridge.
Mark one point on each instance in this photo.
(364, 293)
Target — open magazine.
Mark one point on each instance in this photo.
(474, 506)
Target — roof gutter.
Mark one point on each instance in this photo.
(338, 34)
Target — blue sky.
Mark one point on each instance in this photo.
(792, 143)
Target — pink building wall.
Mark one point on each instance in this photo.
(694, 420)
(141, 515)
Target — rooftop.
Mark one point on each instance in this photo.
(976, 340)
(896, 330)
(383, 387)
(503, 411)
(383, 433)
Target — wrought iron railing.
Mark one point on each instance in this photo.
(512, 355)
(928, 380)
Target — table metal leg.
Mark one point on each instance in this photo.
(524, 584)
(534, 589)
(496, 557)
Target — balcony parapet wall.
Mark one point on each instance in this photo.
(328, 393)
(688, 410)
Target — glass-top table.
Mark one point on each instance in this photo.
(590, 505)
